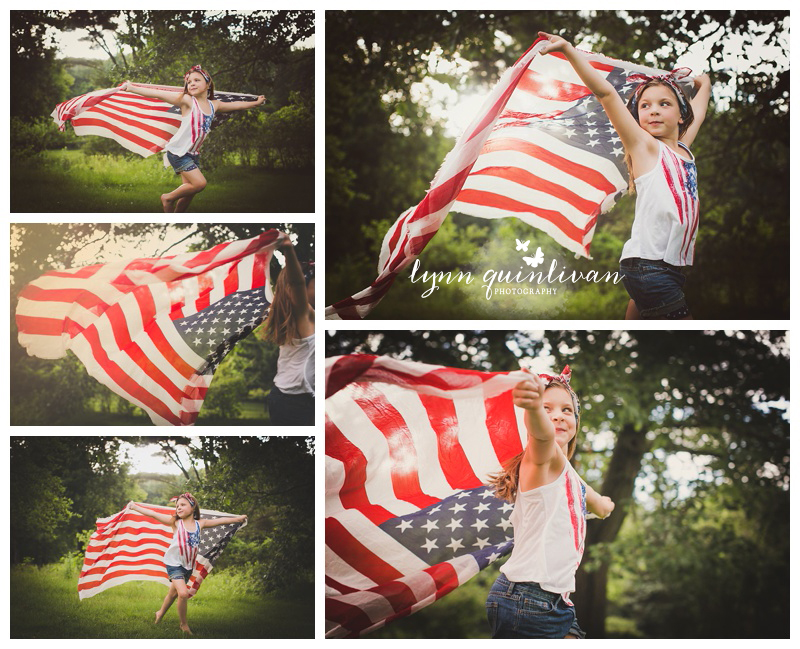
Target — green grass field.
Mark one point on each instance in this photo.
(253, 413)
(70, 181)
(45, 604)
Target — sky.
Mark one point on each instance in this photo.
(143, 460)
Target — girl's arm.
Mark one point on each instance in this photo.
(161, 518)
(230, 106)
(213, 522)
(174, 98)
(296, 280)
(699, 105)
(634, 138)
(600, 506)
(529, 395)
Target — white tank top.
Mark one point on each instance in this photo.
(549, 531)
(666, 216)
(183, 549)
(296, 367)
(192, 132)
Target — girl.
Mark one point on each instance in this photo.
(179, 559)
(530, 598)
(198, 108)
(656, 128)
(290, 324)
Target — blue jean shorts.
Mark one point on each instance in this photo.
(656, 287)
(186, 162)
(178, 572)
(524, 610)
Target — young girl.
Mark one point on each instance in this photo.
(290, 324)
(198, 108)
(179, 559)
(530, 598)
(656, 128)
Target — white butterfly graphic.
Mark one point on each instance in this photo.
(535, 260)
(523, 245)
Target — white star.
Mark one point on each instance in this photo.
(482, 507)
(482, 543)
(569, 132)
(197, 341)
(431, 525)
(591, 131)
(453, 524)
(430, 544)
(435, 509)
(479, 524)
(618, 151)
(464, 494)
(507, 507)
(505, 524)
(487, 492)
(493, 557)
(458, 507)
(593, 143)
(404, 525)
(226, 331)
(454, 544)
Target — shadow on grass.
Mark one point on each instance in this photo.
(70, 181)
(45, 604)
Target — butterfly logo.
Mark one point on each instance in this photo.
(537, 259)
(523, 246)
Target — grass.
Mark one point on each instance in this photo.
(72, 181)
(253, 413)
(45, 604)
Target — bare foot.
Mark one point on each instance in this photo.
(186, 629)
(167, 204)
(159, 615)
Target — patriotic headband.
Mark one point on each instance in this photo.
(188, 497)
(197, 68)
(563, 379)
(671, 79)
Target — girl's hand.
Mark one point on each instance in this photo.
(129, 505)
(261, 99)
(243, 519)
(286, 242)
(529, 394)
(702, 80)
(557, 43)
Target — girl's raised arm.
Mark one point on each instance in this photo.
(213, 522)
(296, 280)
(161, 518)
(699, 105)
(600, 506)
(529, 395)
(230, 106)
(632, 135)
(168, 96)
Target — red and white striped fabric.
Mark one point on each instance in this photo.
(136, 324)
(129, 546)
(141, 124)
(541, 149)
(407, 445)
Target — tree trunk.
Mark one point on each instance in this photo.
(590, 595)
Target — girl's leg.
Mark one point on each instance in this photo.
(183, 598)
(182, 204)
(632, 313)
(193, 183)
(171, 595)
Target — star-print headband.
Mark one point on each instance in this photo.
(188, 497)
(671, 79)
(563, 379)
(203, 73)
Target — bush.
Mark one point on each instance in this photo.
(29, 138)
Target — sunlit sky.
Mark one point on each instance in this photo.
(143, 459)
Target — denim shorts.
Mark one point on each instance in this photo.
(179, 572)
(186, 162)
(656, 287)
(524, 610)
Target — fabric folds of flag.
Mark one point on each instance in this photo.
(130, 547)
(541, 149)
(408, 448)
(141, 124)
(152, 330)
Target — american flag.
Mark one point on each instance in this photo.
(130, 547)
(152, 330)
(141, 124)
(408, 448)
(541, 149)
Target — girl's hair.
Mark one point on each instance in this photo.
(282, 323)
(195, 510)
(210, 87)
(506, 482)
(687, 114)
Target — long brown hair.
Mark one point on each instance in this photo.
(282, 325)
(506, 482)
(687, 114)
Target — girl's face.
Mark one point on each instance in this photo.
(659, 111)
(183, 508)
(559, 408)
(196, 84)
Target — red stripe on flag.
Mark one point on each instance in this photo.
(339, 539)
(133, 574)
(546, 88)
(139, 123)
(155, 147)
